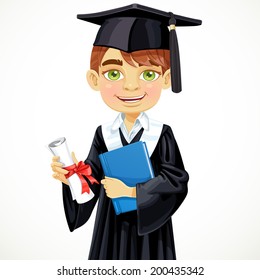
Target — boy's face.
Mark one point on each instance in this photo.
(126, 88)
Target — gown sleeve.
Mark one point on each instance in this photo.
(78, 214)
(160, 197)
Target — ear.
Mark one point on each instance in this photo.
(93, 79)
(166, 79)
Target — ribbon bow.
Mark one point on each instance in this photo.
(81, 169)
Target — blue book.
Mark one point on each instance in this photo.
(130, 164)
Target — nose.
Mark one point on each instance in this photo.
(131, 84)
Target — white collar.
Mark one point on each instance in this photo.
(151, 133)
(142, 119)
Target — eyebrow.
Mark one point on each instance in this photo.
(112, 61)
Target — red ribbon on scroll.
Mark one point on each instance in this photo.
(81, 169)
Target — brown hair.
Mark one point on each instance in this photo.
(156, 57)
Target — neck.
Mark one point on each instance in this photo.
(130, 120)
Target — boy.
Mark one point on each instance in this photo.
(130, 77)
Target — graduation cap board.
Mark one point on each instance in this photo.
(136, 27)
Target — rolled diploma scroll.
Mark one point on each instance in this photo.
(59, 148)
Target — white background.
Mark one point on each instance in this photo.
(44, 55)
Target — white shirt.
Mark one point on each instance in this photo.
(141, 122)
(150, 135)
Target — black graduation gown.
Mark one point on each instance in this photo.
(142, 234)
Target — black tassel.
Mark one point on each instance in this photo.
(174, 57)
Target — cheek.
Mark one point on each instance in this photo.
(153, 91)
(109, 89)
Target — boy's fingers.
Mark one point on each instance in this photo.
(60, 177)
(56, 163)
(59, 170)
(56, 175)
(55, 158)
(109, 178)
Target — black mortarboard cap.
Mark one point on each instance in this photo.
(136, 27)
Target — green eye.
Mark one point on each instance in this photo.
(113, 75)
(149, 75)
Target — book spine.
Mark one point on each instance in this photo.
(107, 172)
(148, 159)
(104, 164)
(116, 206)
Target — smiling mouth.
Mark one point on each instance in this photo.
(131, 99)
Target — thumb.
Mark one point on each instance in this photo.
(74, 158)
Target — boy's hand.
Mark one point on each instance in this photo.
(59, 172)
(116, 188)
